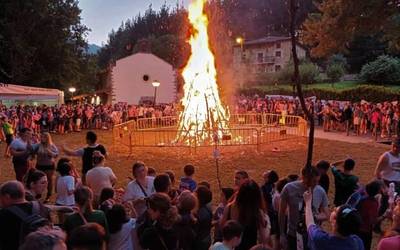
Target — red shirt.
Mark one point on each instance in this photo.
(368, 209)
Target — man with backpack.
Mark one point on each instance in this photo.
(19, 217)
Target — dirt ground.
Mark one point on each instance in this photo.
(287, 159)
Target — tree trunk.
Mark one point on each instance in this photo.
(296, 78)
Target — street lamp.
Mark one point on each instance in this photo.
(240, 41)
(155, 84)
(72, 90)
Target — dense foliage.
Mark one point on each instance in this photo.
(308, 73)
(384, 70)
(42, 43)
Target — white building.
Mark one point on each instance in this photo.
(132, 79)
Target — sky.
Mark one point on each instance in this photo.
(101, 16)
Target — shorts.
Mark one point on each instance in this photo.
(9, 139)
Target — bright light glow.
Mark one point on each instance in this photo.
(203, 116)
(239, 40)
(72, 90)
(156, 84)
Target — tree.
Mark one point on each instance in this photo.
(42, 42)
(334, 72)
(338, 22)
(384, 70)
(297, 82)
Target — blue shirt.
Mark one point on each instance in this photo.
(187, 184)
(321, 240)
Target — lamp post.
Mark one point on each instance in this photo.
(240, 41)
(155, 84)
(72, 90)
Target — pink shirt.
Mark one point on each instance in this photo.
(390, 243)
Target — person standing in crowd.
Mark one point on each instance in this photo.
(139, 189)
(247, 209)
(392, 237)
(12, 199)
(291, 200)
(187, 182)
(88, 236)
(345, 222)
(121, 229)
(86, 213)
(21, 150)
(231, 234)
(388, 167)
(8, 131)
(44, 240)
(160, 234)
(323, 167)
(345, 182)
(87, 153)
(100, 176)
(225, 196)
(241, 177)
(65, 185)
(46, 153)
(36, 184)
(204, 218)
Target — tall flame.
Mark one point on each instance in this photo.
(203, 115)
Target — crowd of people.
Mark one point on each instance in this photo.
(359, 118)
(158, 211)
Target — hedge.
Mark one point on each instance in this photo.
(366, 92)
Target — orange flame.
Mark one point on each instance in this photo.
(204, 115)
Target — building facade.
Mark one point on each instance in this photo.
(265, 55)
(132, 80)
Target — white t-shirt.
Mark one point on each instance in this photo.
(122, 240)
(65, 184)
(133, 192)
(219, 246)
(100, 177)
(392, 170)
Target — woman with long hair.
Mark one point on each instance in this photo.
(83, 199)
(161, 234)
(247, 209)
(46, 153)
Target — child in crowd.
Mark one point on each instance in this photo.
(231, 233)
(106, 199)
(187, 182)
(65, 186)
(368, 208)
(185, 227)
(151, 172)
(323, 167)
(345, 182)
(204, 218)
(226, 194)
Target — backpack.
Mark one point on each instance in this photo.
(29, 222)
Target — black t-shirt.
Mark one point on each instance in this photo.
(156, 238)
(87, 158)
(10, 225)
(324, 182)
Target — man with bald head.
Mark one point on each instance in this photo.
(12, 198)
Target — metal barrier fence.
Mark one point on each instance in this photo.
(247, 129)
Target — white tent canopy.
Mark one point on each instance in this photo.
(11, 94)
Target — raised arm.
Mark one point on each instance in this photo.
(309, 215)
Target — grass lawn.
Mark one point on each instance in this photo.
(288, 159)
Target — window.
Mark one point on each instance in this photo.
(243, 57)
(278, 68)
(260, 57)
(278, 45)
(278, 53)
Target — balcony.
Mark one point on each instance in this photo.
(265, 60)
